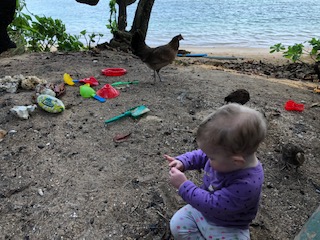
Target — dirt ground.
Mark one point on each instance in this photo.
(63, 177)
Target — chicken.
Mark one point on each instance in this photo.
(155, 58)
(239, 96)
(293, 155)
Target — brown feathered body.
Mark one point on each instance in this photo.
(155, 58)
(240, 96)
(293, 154)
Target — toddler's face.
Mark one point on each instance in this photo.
(220, 159)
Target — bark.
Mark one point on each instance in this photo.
(122, 18)
(121, 39)
(142, 16)
(89, 2)
(317, 69)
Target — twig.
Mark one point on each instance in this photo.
(17, 190)
(137, 204)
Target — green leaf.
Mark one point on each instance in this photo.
(277, 48)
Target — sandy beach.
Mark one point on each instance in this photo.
(262, 54)
(67, 175)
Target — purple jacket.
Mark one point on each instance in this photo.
(226, 199)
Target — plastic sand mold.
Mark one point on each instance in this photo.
(107, 91)
(114, 72)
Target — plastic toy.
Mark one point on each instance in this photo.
(50, 103)
(124, 83)
(293, 106)
(134, 112)
(107, 91)
(86, 91)
(67, 79)
(114, 72)
(91, 80)
(192, 55)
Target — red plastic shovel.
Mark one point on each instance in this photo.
(91, 80)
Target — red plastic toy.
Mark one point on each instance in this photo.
(107, 91)
(293, 106)
(91, 80)
(114, 72)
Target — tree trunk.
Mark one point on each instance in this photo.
(142, 17)
(317, 69)
(122, 39)
(122, 18)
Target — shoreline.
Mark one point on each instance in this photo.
(262, 54)
(242, 53)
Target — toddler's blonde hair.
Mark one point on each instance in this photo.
(238, 129)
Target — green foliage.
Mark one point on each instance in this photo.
(90, 38)
(295, 52)
(113, 25)
(44, 33)
(315, 51)
(277, 48)
(20, 22)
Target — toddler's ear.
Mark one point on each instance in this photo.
(238, 160)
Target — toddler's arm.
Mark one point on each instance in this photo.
(194, 160)
(174, 163)
(223, 203)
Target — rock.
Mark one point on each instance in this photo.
(23, 111)
(30, 82)
(40, 192)
(10, 84)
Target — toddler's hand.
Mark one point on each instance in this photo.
(177, 177)
(174, 163)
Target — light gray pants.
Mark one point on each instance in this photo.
(189, 223)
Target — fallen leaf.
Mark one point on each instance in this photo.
(121, 137)
(3, 133)
(315, 104)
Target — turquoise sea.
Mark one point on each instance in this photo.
(203, 23)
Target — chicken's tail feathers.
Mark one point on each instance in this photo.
(137, 42)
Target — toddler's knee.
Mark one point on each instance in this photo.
(174, 227)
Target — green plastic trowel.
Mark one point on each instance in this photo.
(134, 112)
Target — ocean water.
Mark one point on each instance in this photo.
(203, 23)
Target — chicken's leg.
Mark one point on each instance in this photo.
(159, 76)
(154, 77)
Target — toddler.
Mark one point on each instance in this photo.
(227, 201)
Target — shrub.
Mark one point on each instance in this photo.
(295, 52)
(38, 33)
